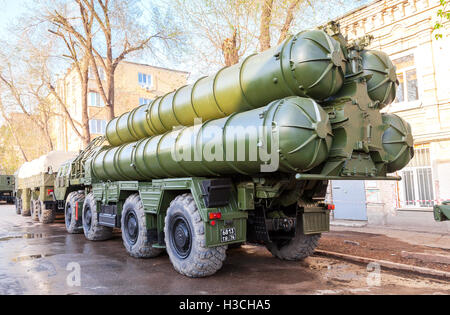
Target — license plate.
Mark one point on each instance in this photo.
(228, 235)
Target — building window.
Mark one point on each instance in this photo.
(417, 184)
(97, 126)
(101, 73)
(145, 80)
(144, 101)
(408, 90)
(94, 99)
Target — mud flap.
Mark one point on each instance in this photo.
(315, 221)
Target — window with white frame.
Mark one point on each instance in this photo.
(94, 99)
(417, 184)
(408, 90)
(97, 126)
(145, 80)
(144, 101)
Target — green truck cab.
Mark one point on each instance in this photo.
(7, 184)
(70, 185)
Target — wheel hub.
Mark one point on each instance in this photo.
(88, 218)
(132, 227)
(181, 237)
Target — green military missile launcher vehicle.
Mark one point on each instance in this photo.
(7, 189)
(244, 155)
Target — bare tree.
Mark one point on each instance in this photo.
(41, 120)
(121, 35)
(235, 28)
(266, 18)
(33, 55)
(13, 131)
(218, 32)
(80, 62)
(290, 12)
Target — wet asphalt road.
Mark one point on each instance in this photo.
(44, 259)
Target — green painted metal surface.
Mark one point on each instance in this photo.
(294, 133)
(398, 142)
(362, 143)
(382, 85)
(157, 195)
(71, 175)
(7, 183)
(442, 212)
(310, 64)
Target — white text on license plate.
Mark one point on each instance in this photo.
(228, 235)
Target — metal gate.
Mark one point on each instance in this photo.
(349, 197)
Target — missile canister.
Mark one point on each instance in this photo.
(398, 142)
(382, 85)
(310, 64)
(290, 135)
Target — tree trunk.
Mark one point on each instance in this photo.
(84, 78)
(266, 18)
(111, 69)
(230, 51)
(48, 138)
(111, 86)
(288, 22)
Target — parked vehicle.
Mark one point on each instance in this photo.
(442, 211)
(7, 189)
(277, 128)
(35, 186)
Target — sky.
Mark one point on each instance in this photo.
(10, 10)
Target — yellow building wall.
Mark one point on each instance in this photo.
(128, 91)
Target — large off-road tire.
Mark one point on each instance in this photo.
(46, 216)
(134, 229)
(24, 212)
(298, 248)
(92, 230)
(186, 240)
(73, 225)
(34, 209)
(18, 206)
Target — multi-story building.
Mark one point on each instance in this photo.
(404, 30)
(135, 84)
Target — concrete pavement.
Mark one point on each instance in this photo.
(44, 259)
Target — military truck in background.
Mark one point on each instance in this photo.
(69, 192)
(275, 130)
(35, 186)
(7, 189)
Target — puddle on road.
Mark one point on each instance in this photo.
(23, 236)
(34, 236)
(31, 257)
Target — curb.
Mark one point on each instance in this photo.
(387, 264)
(428, 257)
